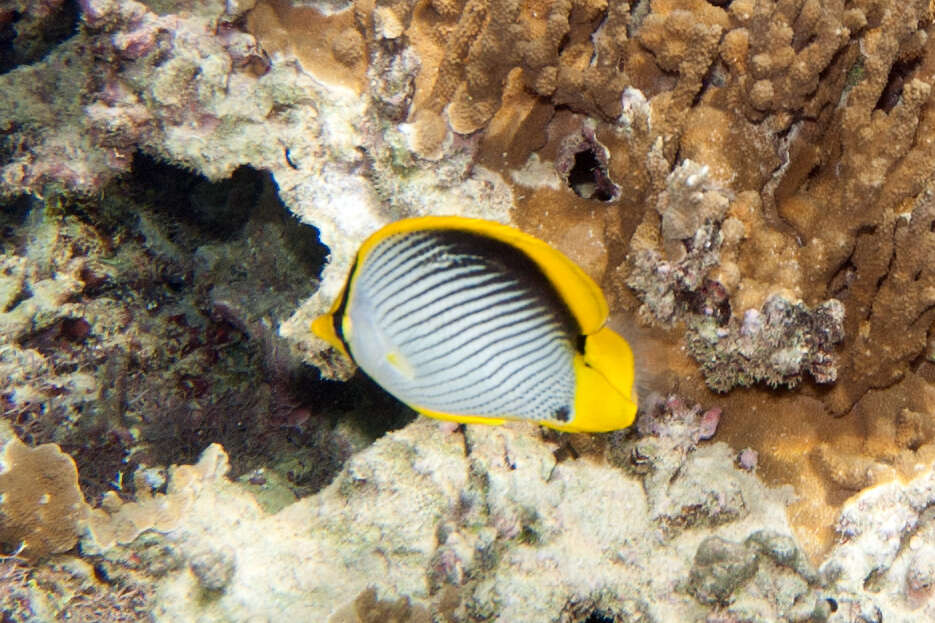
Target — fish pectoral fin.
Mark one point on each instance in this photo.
(400, 364)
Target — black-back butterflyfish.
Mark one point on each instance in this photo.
(472, 321)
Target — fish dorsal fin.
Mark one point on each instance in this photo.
(579, 292)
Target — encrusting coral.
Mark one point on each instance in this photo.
(41, 505)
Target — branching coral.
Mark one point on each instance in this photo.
(896, 290)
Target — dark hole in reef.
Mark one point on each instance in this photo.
(588, 177)
(24, 40)
(716, 77)
(234, 389)
(565, 451)
(562, 44)
(832, 603)
(9, 549)
(198, 211)
(254, 431)
(218, 210)
(12, 215)
(842, 279)
(900, 73)
(599, 616)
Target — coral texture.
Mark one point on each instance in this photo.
(751, 179)
(481, 525)
(492, 524)
(194, 89)
(41, 505)
(67, 590)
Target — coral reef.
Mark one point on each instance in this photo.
(750, 182)
(30, 30)
(68, 590)
(641, 82)
(131, 341)
(198, 91)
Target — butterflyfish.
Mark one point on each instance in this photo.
(476, 322)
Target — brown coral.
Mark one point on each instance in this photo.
(812, 121)
(337, 51)
(894, 302)
(42, 506)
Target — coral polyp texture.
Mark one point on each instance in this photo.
(41, 505)
(750, 182)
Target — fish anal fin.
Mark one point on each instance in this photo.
(461, 419)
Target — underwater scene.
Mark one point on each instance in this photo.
(467, 311)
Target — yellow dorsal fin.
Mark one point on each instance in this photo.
(583, 297)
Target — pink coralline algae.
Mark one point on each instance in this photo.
(174, 86)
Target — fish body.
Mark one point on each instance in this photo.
(476, 322)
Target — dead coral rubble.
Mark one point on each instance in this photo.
(775, 346)
(488, 524)
(485, 524)
(68, 590)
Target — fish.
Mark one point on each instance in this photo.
(475, 322)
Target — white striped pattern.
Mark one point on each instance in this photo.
(474, 326)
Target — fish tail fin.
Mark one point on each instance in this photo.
(605, 397)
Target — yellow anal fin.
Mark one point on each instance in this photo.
(461, 419)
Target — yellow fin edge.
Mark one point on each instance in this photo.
(323, 327)
(461, 419)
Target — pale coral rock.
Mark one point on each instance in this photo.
(485, 523)
(719, 569)
(887, 549)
